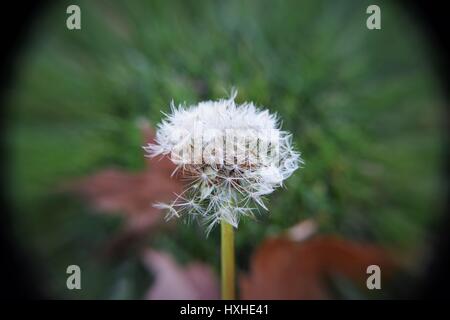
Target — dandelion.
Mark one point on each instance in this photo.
(232, 157)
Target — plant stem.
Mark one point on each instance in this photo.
(227, 260)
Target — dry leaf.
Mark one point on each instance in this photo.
(282, 268)
(195, 281)
(131, 194)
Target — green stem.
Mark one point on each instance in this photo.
(227, 260)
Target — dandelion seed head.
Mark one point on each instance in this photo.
(234, 154)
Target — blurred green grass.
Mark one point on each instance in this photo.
(364, 107)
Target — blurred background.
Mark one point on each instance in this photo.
(364, 106)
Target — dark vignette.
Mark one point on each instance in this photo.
(20, 278)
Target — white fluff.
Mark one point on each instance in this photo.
(219, 189)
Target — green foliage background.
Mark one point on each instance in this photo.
(364, 108)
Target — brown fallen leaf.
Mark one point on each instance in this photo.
(131, 195)
(120, 192)
(282, 268)
(195, 281)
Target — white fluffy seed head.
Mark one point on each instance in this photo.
(232, 154)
